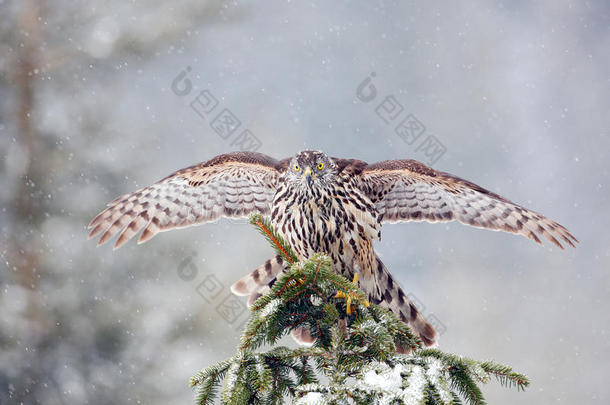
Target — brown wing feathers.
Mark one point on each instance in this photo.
(237, 184)
(231, 185)
(406, 190)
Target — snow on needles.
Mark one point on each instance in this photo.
(270, 308)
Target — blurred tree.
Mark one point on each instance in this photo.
(47, 353)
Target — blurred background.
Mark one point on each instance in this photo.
(96, 101)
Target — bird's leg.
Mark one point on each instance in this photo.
(350, 296)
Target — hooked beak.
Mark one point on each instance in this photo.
(307, 175)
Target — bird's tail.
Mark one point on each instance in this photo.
(390, 296)
(258, 282)
(393, 297)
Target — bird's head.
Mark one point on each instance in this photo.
(311, 169)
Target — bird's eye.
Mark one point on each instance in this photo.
(297, 168)
(320, 166)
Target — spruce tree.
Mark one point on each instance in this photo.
(354, 359)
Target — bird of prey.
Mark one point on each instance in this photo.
(322, 204)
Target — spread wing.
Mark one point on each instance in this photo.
(406, 190)
(231, 185)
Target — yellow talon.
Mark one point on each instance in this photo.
(340, 294)
(349, 305)
(350, 297)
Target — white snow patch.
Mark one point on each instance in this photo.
(387, 379)
(435, 373)
(271, 307)
(233, 372)
(414, 393)
(312, 398)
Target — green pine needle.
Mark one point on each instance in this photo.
(353, 351)
(280, 246)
